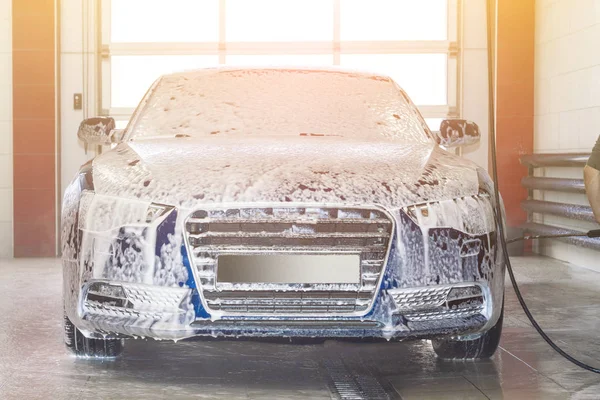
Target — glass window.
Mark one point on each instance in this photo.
(164, 21)
(131, 76)
(282, 103)
(121, 124)
(394, 20)
(434, 123)
(279, 21)
(372, 36)
(281, 60)
(422, 76)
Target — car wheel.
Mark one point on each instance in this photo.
(85, 347)
(482, 347)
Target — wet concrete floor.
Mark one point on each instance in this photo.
(35, 365)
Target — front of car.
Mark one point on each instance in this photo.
(336, 218)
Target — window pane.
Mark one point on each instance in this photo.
(422, 76)
(394, 20)
(279, 21)
(164, 21)
(434, 123)
(131, 76)
(279, 60)
(121, 124)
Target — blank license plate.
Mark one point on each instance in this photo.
(289, 269)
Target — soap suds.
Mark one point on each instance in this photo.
(203, 140)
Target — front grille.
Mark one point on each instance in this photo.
(365, 232)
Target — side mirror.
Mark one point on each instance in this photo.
(457, 133)
(99, 131)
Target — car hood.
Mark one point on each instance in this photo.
(191, 172)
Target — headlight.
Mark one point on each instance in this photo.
(417, 212)
(471, 214)
(86, 179)
(108, 213)
(156, 211)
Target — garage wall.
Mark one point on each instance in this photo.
(6, 159)
(474, 105)
(77, 59)
(34, 127)
(514, 101)
(567, 101)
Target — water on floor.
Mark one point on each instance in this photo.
(35, 365)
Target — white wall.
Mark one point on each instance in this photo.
(567, 101)
(76, 59)
(475, 76)
(6, 160)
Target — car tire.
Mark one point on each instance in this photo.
(84, 347)
(480, 348)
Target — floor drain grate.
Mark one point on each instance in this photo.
(355, 383)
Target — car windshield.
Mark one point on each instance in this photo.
(280, 102)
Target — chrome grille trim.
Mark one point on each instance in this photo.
(441, 301)
(139, 300)
(419, 298)
(296, 323)
(443, 314)
(297, 302)
(211, 233)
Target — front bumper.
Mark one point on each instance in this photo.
(412, 298)
(136, 310)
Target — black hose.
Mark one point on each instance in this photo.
(490, 40)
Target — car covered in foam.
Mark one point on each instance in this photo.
(280, 202)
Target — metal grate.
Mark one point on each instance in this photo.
(439, 302)
(131, 299)
(288, 302)
(443, 314)
(421, 298)
(357, 381)
(365, 232)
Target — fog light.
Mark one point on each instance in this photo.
(467, 296)
(107, 294)
(439, 302)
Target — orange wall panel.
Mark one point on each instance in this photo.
(34, 128)
(39, 129)
(514, 100)
(41, 200)
(33, 30)
(33, 102)
(28, 72)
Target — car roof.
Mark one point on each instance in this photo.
(337, 70)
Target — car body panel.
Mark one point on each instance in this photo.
(124, 224)
(189, 172)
